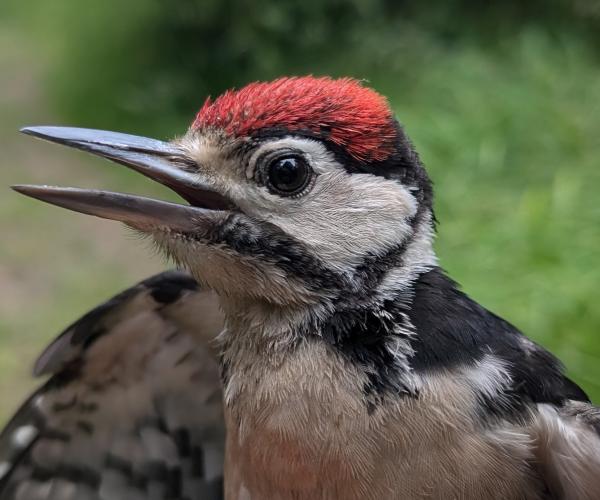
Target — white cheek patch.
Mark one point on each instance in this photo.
(341, 219)
(345, 216)
(348, 216)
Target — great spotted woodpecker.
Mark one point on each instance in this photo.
(315, 350)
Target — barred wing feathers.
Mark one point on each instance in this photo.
(132, 409)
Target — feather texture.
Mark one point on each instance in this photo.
(132, 409)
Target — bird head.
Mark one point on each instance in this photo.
(300, 191)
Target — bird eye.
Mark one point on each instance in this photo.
(288, 175)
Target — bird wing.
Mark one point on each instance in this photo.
(567, 444)
(133, 407)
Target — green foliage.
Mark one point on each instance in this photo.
(124, 62)
(502, 101)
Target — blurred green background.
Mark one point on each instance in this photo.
(502, 100)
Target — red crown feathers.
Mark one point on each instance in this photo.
(342, 111)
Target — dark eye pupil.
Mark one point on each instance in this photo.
(288, 174)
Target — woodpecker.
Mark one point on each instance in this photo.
(310, 347)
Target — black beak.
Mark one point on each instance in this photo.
(158, 160)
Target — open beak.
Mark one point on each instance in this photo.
(160, 161)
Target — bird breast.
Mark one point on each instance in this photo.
(302, 430)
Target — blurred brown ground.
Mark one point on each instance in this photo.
(82, 262)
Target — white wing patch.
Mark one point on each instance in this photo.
(24, 436)
(489, 376)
